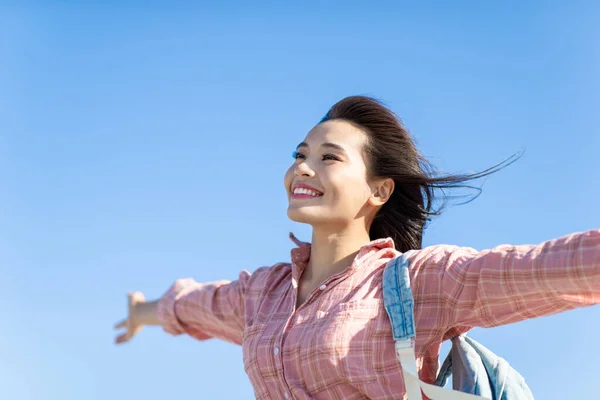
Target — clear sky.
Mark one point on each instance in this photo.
(144, 143)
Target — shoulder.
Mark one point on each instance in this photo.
(379, 253)
(439, 256)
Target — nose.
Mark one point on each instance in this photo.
(303, 169)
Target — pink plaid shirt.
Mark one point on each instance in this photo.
(339, 345)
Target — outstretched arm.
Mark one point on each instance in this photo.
(201, 310)
(462, 287)
(205, 310)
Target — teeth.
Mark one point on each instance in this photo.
(306, 191)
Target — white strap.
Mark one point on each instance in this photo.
(405, 352)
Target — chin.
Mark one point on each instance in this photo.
(301, 215)
(296, 215)
(312, 216)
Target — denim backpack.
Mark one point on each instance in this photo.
(477, 373)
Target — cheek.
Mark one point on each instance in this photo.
(288, 178)
(351, 189)
(357, 195)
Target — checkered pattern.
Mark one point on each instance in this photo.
(338, 344)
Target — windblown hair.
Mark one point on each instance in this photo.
(390, 152)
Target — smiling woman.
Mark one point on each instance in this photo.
(316, 327)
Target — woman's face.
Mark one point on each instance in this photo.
(327, 183)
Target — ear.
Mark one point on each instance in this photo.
(381, 191)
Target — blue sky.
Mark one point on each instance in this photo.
(140, 144)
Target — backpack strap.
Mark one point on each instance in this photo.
(399, 305)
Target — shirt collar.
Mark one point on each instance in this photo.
(301, 254)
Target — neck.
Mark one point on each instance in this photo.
(331, 253)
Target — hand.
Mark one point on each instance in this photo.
(132, 324)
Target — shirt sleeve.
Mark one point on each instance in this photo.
(206, 310)
(460, 287)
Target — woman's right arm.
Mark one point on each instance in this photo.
(201, 310)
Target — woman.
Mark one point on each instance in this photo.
(316, 328)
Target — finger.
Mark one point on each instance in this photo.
(136, 297)
(122, 324)
(122, 338)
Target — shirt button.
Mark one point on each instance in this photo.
(276, 351)
(323, 287)
(287, 395)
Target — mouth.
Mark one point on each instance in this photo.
(305, 192)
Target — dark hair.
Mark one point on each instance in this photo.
(390, 152)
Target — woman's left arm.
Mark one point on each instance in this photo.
(463, 287)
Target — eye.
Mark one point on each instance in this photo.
(330, 157)
(298, 155)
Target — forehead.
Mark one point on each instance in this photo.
(342, 133)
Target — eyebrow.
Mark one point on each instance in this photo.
(326, 144)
